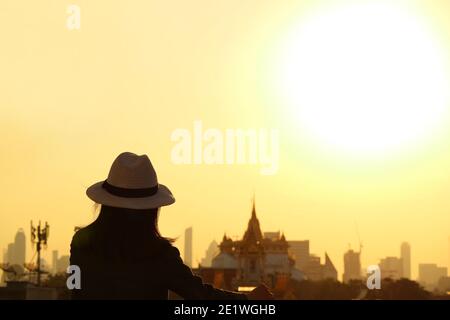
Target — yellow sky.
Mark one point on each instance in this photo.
(72, 100)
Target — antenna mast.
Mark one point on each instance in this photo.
(39, 236)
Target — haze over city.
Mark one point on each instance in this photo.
(133, 74)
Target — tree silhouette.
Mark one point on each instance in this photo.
(402, 289)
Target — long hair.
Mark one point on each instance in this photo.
(127, 232)
(131, 219)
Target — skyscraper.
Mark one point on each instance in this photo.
(405, 254)
(211, 252)
(54, 261)
(352, 266)
(391, 267)
(15, 254)
(10, 254)
(4, 260)
(188, 247)
(63, 263)
(299, 250)
(19, 247)
(430, 274)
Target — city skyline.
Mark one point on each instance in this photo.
(11, 254)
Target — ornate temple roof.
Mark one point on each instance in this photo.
(253, 232)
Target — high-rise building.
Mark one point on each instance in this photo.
(4, 260)
(299, 250)
(15, 253)
(59, 263)
(63, 263)
(315, 271)
(405, 254)
(54, 261)
(391, 267)
(10, 254)
(352, 266)
(188, 247)
(19, 248)
(308, 264)
(430, 274)
(211, 252)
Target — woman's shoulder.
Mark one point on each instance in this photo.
(167, 249)
(82, 237)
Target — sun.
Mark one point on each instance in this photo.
(364, 79)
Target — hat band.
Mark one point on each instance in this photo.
(130, 193)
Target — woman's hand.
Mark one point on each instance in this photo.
(261, 292)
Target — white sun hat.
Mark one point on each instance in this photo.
(132, 183)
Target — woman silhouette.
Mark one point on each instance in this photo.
(122, 255)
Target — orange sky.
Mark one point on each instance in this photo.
(73, 100)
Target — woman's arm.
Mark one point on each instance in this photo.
(184, 283)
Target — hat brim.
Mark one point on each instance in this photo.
(160, 199)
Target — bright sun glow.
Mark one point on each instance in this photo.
(367, 79)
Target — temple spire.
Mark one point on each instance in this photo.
(254, 208)
(253, 230)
